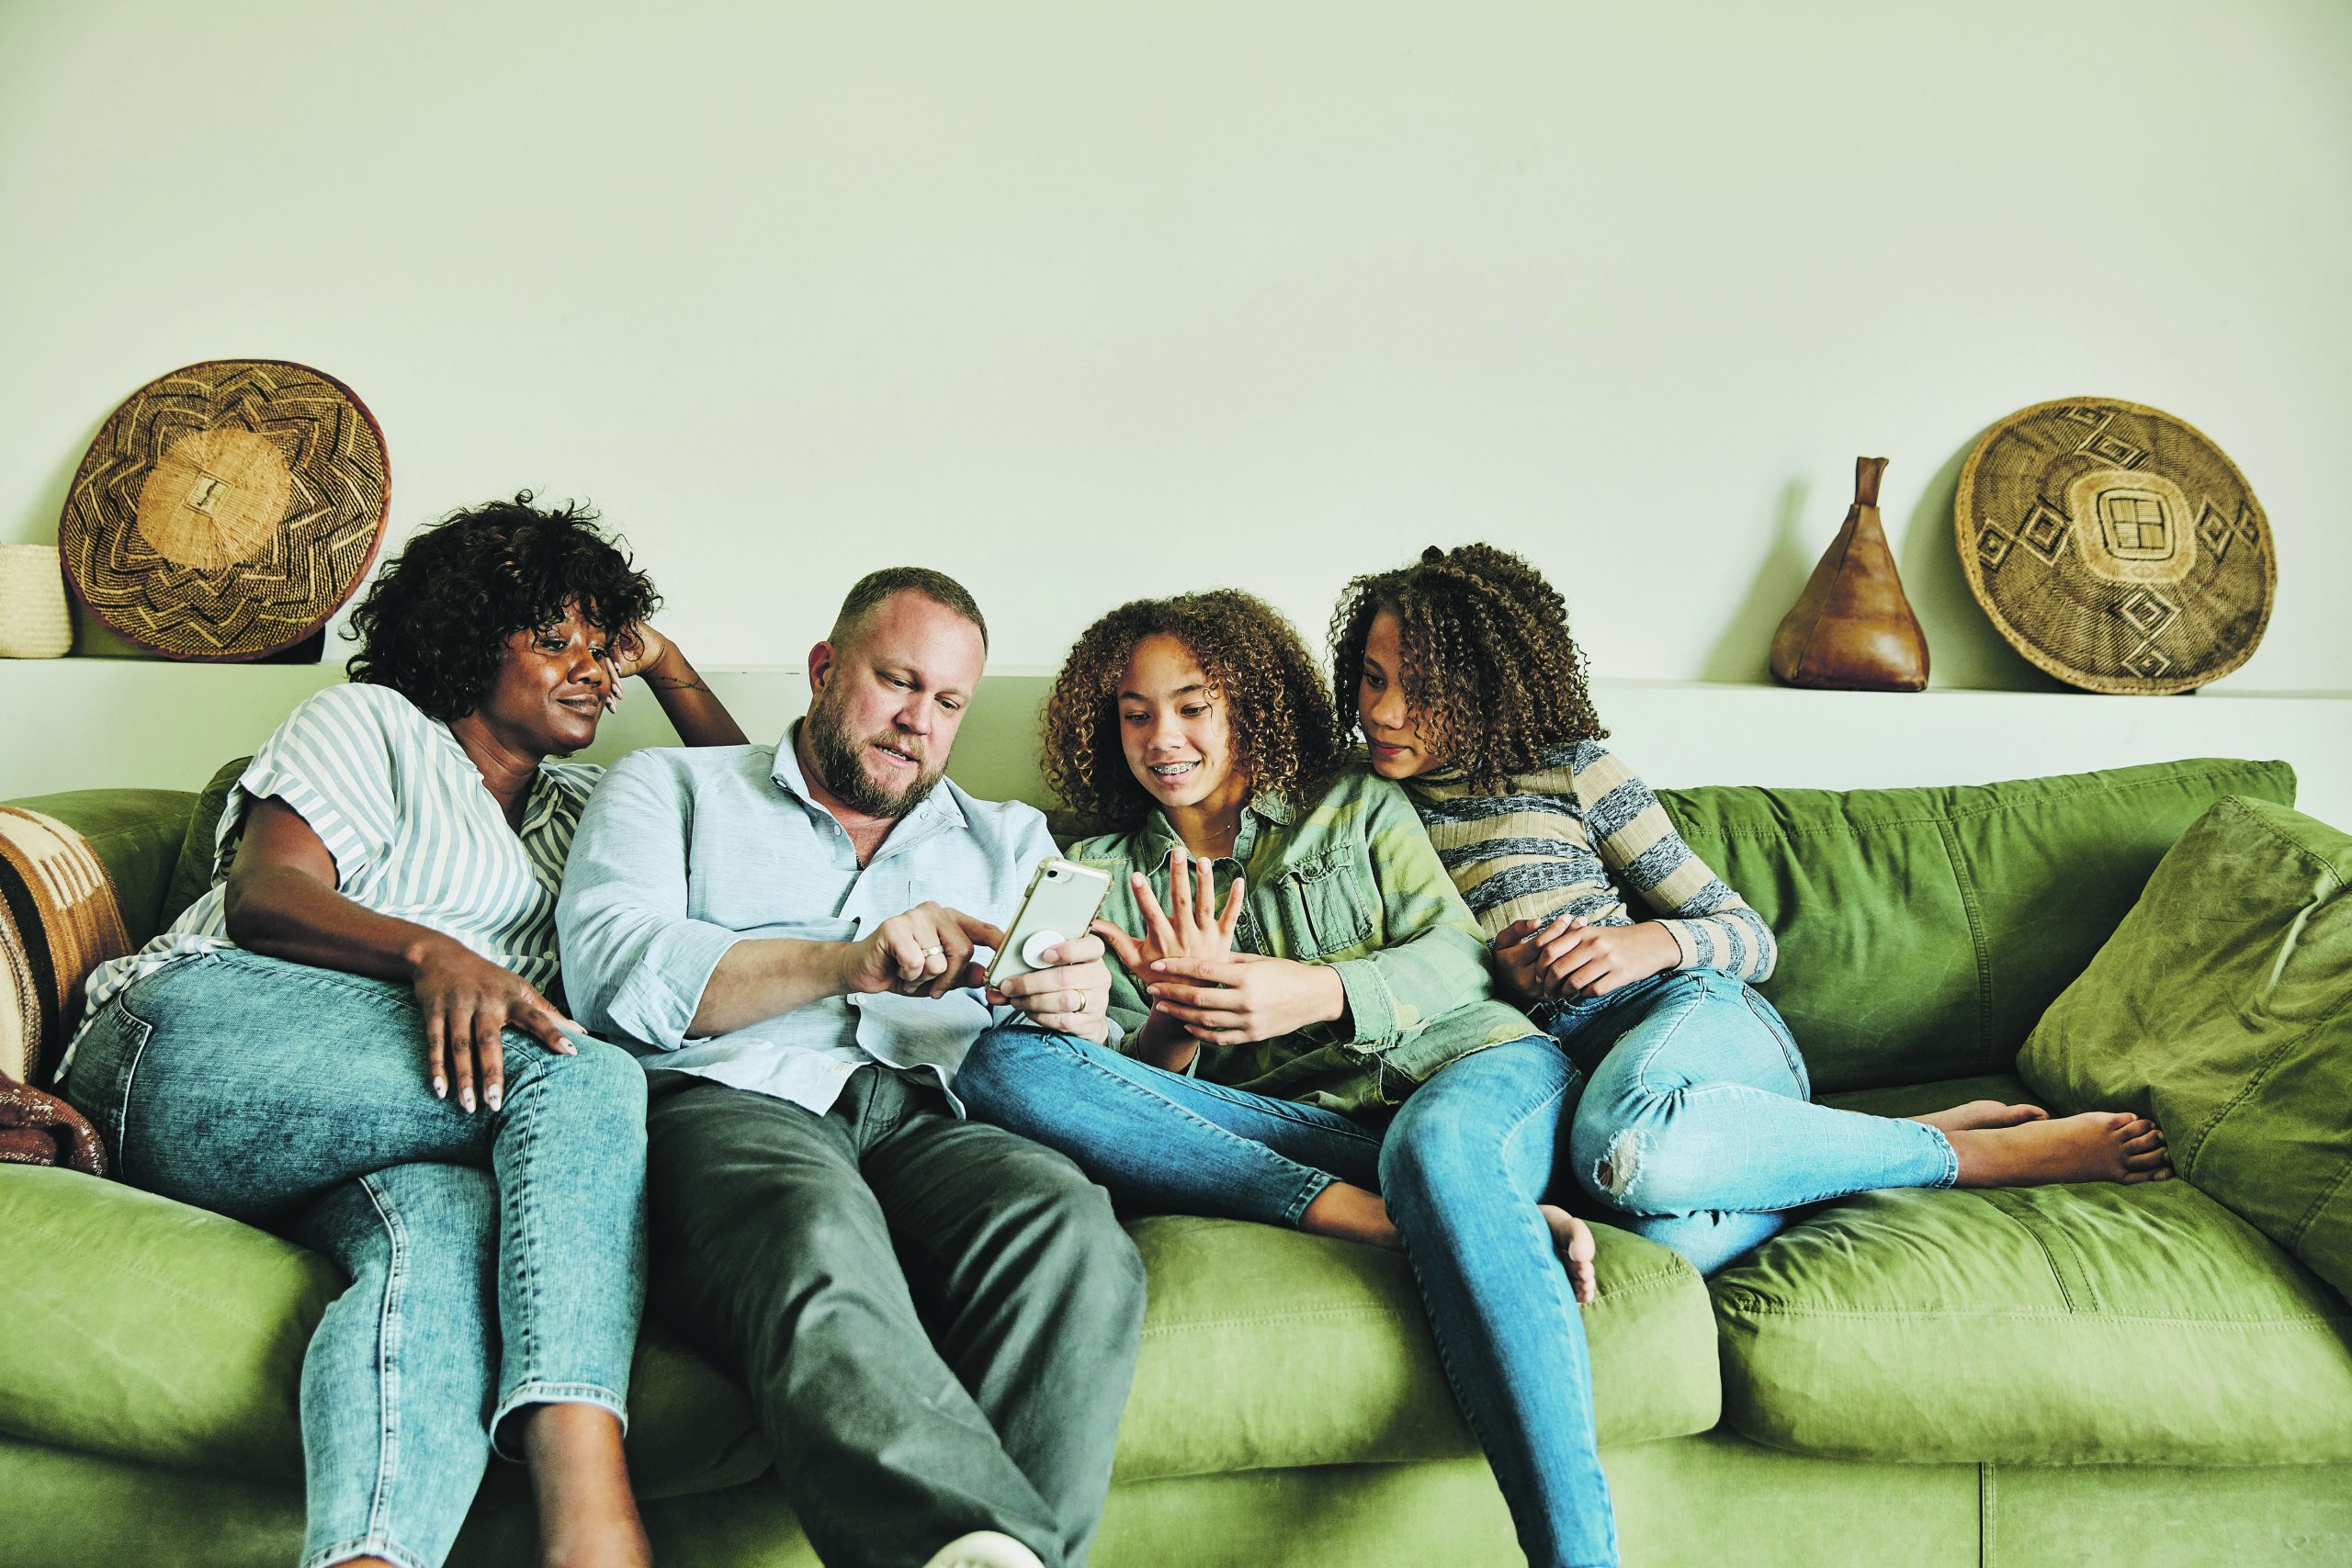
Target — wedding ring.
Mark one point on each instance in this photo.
(930, 951)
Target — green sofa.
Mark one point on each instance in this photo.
(2086, 1375)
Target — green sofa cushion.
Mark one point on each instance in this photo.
(1265, 1348)
(192, 872)
(137, 832)
(1923, 931)
(144, 1329)
(2222, 1007)
(148, 1330)
(1261, 1348)
(2080, 1324)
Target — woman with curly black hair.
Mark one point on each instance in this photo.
(1696, 1126)
(1321, 1049)
(356, 1037)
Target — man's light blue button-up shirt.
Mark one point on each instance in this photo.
(683, 853)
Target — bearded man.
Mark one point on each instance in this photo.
(936, 1319)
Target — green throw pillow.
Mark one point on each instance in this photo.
(192, 876)
(2222, 1007)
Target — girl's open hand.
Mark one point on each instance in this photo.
(1191, 926)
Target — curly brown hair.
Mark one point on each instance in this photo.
(1286, 736)
(434, 624)
(1493, 678)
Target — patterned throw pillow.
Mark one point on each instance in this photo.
(59, 920)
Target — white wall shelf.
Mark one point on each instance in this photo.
(83, 723)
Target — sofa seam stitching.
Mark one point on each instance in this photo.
(2205, 1130)
(1973, 908)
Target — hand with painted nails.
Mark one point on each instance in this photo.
(644, 648)
(468, 1002)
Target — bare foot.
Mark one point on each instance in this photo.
(2098, 1146)
(1572, 1239)
(1979, 1114)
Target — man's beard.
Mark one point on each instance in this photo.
(841, 761)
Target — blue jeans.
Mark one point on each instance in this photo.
(497, 1260)
(1462, 1168)
(1698, 1125)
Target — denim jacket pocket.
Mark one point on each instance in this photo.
(1323, 906)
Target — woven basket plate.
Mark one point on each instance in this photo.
(2115, 546)
(227, 510)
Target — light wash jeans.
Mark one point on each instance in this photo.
(1698, 1125)
(497, 1260)
(1462, 1168)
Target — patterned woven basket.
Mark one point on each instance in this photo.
(2115, 546)
(227, 510)
(33, 619)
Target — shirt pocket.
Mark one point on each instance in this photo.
(1326, 907)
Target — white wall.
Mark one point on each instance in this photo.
(1086, 301)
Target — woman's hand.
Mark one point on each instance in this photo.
(692, 709)
(650, 649)
(1244, 996)
(467, 1001)
(1191, 926)
(1567, 957)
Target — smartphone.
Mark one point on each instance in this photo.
(1060, 904)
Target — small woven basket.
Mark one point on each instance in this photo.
(33, 619)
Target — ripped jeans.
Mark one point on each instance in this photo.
(1697, 1123)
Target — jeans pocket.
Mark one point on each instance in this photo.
(104, 1064)
(1770, 1016)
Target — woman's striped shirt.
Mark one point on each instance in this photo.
(414, 832)
(1574, 838)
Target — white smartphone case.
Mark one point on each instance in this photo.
(1060, 904)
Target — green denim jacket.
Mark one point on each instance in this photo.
(1351, 882)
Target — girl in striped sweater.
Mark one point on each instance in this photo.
(1696, 1124)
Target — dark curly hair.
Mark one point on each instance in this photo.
(1491, 674)
(435, 623)
(1286, 735)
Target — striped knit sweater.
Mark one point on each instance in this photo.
(1580, 836)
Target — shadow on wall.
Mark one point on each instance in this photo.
(1963, 650)
(1744, 653)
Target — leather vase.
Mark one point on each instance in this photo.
(1852, 629)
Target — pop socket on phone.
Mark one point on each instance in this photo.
(1034, 951)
